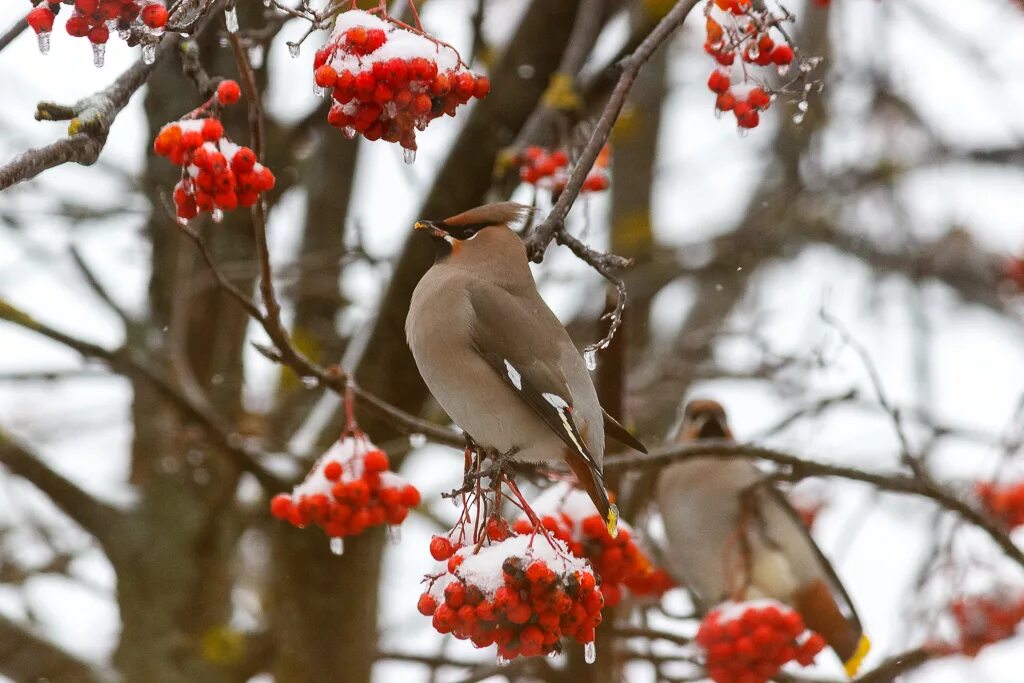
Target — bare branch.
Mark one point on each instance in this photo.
(538, 240)
(25, 656)
(798, 468)
(8, 36)
(90, 121)
(96, 517)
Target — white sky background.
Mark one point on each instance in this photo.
(976, 360)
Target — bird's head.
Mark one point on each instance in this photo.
(468, 224)
(704, 419)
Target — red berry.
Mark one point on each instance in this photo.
(40, 19)
(375, 461)
(228, 92)
(332, 470)
(281, 504)
(154, 15)
(782, 55)
(325, 76)
(77, 26)
(99, 34)
(718, 82)
(441, 548)
(213, 130)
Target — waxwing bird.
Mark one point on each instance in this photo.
(497, 359)
(732, 536)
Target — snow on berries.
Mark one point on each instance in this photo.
(388, 82)
(216, 174)
(1003, 501)
(549, 169)
(349, 490)
(749, 642)
(568, 514)
(523, 594)
(95, 19)
(741, 37)
(982, 620)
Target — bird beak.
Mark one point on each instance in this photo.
(432, 228)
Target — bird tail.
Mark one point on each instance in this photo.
(592, 480)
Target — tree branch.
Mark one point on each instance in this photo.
(799, 468)
(96, 517)
(90, 121)
(538, 240)
(25, 656)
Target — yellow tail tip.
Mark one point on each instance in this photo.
(613, 521)
(852, 665)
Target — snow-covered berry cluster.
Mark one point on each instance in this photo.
(388, 81)
(569, 515)
(95, 19)
(740, 37)
(523, 594)
(985, 619)
(549, 169)
(216, 174)
(1003, 501)
(749, 642)
(349, 490)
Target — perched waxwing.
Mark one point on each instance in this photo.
(498, 360)
(731, 536)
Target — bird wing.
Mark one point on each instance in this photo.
(615, 430)
(823, 588)
(522, 346)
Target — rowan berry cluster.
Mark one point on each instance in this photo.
(749, 642)
(569, 515)
(1003, 501)
(95, 19)
(549, 169)
(216, 174)
(349, 490)
(983, 620)
(740, 37)
(387, 81)
(523, 594)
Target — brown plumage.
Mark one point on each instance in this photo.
(494, 355)
(731, 537)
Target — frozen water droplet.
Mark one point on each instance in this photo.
(590, 358)
(501, 661)
(349, 132)
(231, 20)
(742, 132)
(111, 24)
(408, 155)
(293, 50)
(394, 534)
(718, 113)
(590, 652)
(417, 440)
(256, 56)
(99, 54)
(217, 215)
(181, 221)
(124, 33)
(337, 545)
(798, 118)
(310, 382)
(44, 42)
(318, 91)
(149, 53)
(783, 69)
(802, 105)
